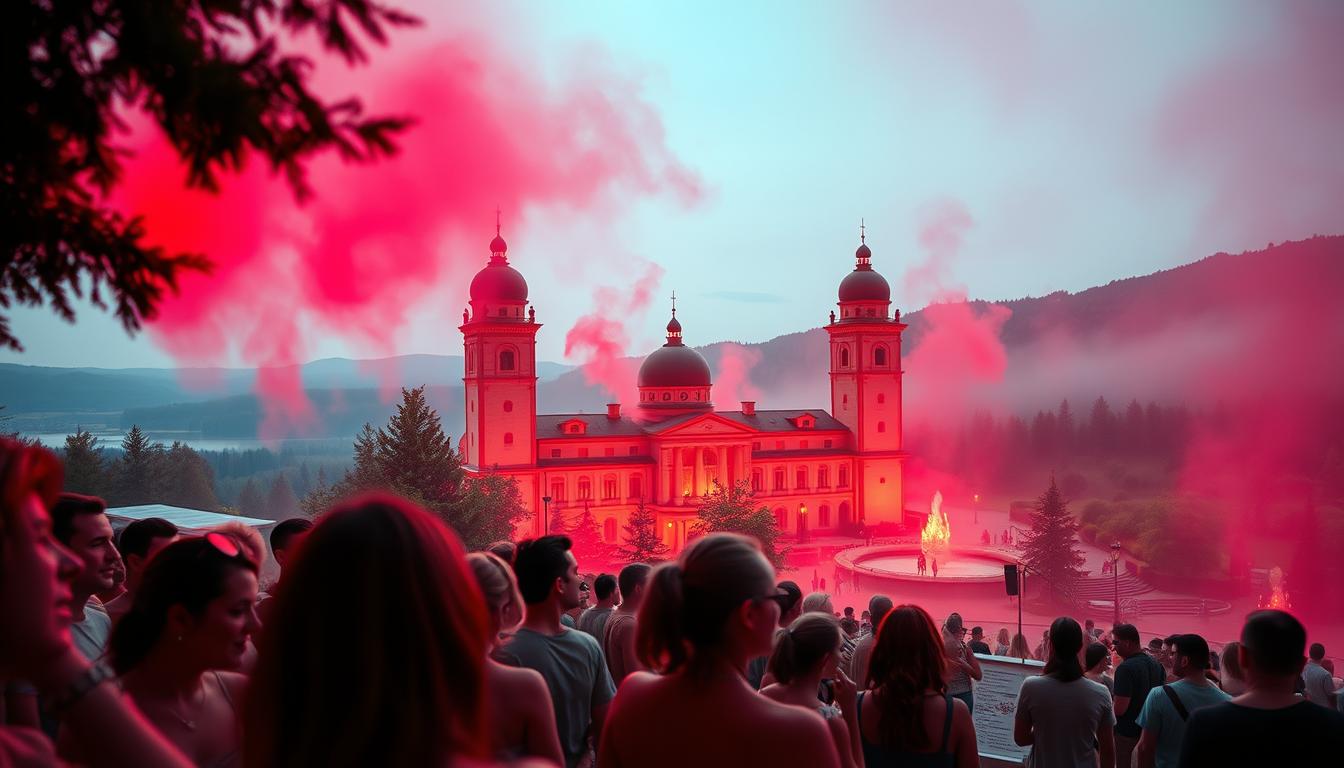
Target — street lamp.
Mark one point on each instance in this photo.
(545, 515)
(1115, 579)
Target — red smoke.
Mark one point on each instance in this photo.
(732, 382)
(599, 340)
(378, 240)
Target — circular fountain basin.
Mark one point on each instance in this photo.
(968, 566)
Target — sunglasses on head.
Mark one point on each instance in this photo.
(782, 598)
(223, 544)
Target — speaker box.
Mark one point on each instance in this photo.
(1010, 579)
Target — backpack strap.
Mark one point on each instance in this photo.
(1176, 702)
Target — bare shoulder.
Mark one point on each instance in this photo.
(516, 681)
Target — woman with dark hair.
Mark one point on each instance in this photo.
(1066, 718)
(703, 617)
(35, 574)
(178, 647)
(1232, 680)
(375, 653)
(805, 653)
(522, 720)
(910, 719)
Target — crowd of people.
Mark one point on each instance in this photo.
(383, 642)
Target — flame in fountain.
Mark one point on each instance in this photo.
(937, 534)
(1278, 595)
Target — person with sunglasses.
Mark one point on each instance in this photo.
(178, 647)
(703, 618)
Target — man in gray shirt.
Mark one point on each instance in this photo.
(1320, 684)
(570, 661)
(594, 620)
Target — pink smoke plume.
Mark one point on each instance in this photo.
(732, 381)
(378, 240)
(598, 340)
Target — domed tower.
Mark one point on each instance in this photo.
(500, 373)
(674, 379)
(866, 374)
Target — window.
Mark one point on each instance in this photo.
(844, 357)
(583, 453)
(827, 443)
(802, 444)
(585, 489)
(557, 490)
(781, 518)
(508, 438)
(636, 487)
(508, 406)
(880, 356)
(609, 451)
(609, 487)
(823, 476)
(881, 426)
(634, 450)
(609, 529)
(881, 398)
(872, 312)
(779, 479)
(844, 476)
(555, 453)
(844, 399)
(756, 446)
(779, 445)
(757, 480)
(506, 360)
(575, 429)
(800, 479)
(824, 517)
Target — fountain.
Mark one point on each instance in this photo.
(1278, 592)
(937, 533)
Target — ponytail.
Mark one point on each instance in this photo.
(1066, 640)
(660, 637)
(804, 645)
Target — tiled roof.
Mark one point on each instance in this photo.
(548, 425)
(778, 421)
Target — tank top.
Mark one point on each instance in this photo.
(881, 756)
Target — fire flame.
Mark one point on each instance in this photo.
(937, 534)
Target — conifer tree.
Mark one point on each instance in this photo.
(589, 548)
(250, 501)
(559, 524)
(84, 470)
(642, 542)
(281, 503)
(138, 473)
(733, 509)
(187, 480)
(1050, 549)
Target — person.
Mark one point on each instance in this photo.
(1042, 652)
(790, 608)
(849, 624)
(806, 652)
(36, 575)
(906, 716)
(1065, 718)
(934, 567)
(879, 606)
(1167, 708)
(569, 660)
(962, 666)
(594, 620)
(618, 636)
(138, 542)
(866, 622)
(1137, 674)
(1232, 680)
(978, 644)
(505, 550)
(410, 688)
(1002, 642)
(1090, 631)
(921, 564)
(1019, 648)
(118, 588)
(80, 523)
(177, 647)
(522, 721)
(1269, 724)
(285, 539)
(703, 617)
(570, 618)
(1097, 660)
(1320, 683)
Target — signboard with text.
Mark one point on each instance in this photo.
(996, 705)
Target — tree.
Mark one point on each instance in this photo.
(1065, 433)
(221, 81)
(558, 525)
(732, 509)
(281, 503)
(642, 542)
(138, 474)
(1050, 549)
(187, 479)
(250, 501)
(320, 498)
(589, 547)
(84, 470)
(485, 510)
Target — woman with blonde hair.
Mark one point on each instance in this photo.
(1232, 679)
(703, 618)
(522, 721)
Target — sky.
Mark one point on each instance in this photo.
(729, 151)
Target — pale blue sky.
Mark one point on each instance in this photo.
(1044, 120)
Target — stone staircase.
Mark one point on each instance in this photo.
(1104, 588)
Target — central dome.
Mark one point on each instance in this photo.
(674, 366)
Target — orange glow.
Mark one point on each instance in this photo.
(937, 534)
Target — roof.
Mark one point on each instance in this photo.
(779, 421)
(548, 425)
(584, 461)
(182, 517)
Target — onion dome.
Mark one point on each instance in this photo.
(674, 364)
(498, 282)
(864, 283)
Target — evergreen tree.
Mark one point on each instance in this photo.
(559, 525)
(250, 501)
(642, 542)
(486, 509)
(733, 509)
(1065, 431)
(589, 548)
(320, 498)
(84, 470)
(187, 479)
(305, 481)
(1050, 550)
(1133, 429)
(281, 503)
(138, 474)
(414, 453)
(1101, 428)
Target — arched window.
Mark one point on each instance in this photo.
(844, 357)
(508, 438)
(844, 478)
(782, 518)
(824, 517)
(801, 479)
(844, 513)
(609, 529)
(585, 488)
(823, 477)
(881, 426)
(881, 398)
(506, 361)
(880, 356)
(508, 406)
(609, 487)
(636, 487)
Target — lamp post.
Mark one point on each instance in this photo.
(1115, 580)
(545, 515)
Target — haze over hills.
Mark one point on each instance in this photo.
(1151, 337)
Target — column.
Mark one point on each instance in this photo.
(664, 476)
(722, 457)
(699, 486)
(676, 476)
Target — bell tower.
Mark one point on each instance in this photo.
(865, 370)
(499, 335)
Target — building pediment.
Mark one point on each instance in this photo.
(701, 425)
